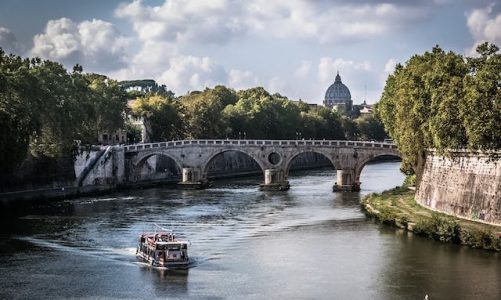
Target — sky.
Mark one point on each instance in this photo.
(292, 47)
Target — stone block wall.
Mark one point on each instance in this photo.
(468, 186)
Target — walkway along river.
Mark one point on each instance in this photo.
(307, 243)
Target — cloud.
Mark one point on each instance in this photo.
(304, 69)
(276, 85)
(389, 67)
(174, 32)
(184, 20)
(484, 26)
(327, 67)
(187, 73)
(96, 44)
(239, 79)
(220, 21)
(8, 41)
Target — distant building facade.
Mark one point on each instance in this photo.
(366, 110)
(113, 138)
(338, 96)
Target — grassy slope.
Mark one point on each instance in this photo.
(398, 207)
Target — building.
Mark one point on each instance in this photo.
(366, 110)
(112, 138)
(338, 96)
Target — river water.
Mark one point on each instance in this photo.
(307, 243)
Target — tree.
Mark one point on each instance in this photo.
(419, 106)
(162, 117)
(204, 112)
(481, 109)
(333, 129)
(18, 110)
(350, 128)
(370, 128)
(108, 103)
(266, 116)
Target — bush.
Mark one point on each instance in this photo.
(481, 239)
(387, 216)
(410, 180)
(440, 228)
(404, 220)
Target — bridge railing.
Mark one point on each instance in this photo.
(328, 143)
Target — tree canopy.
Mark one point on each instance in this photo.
(443, 101)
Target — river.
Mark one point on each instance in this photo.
(306, 243)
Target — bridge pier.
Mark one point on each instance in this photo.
(274, 180)
(346, 181)
(192, 179)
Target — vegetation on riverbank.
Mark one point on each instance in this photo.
(443, 101)
(398, 207)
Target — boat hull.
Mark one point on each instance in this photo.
(178, 264)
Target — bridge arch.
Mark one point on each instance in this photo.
(139, 162)
(290, 159)
(207, 162)
(362, 162)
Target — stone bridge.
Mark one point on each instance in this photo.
(274, 157)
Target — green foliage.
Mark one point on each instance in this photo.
(351, 131)
(44, 109)
(204, 112)
(398, 207)
(387, 216)
(482, 239)
(370, 128)
(440, 228)
(148, 86)
(19, 104)
(440, 100)
(162, 117)
(481, 108)
(410, 180)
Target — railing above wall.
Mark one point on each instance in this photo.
(321, 143)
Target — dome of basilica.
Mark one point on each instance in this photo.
(337, 94)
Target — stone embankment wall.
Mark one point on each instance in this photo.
(467, 186)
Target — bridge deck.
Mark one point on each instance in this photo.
(323, 143)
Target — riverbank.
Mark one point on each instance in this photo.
(398, 207)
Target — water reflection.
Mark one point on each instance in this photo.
(166, 282)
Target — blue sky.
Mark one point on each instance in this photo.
(293, 47)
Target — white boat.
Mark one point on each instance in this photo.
(162, 249)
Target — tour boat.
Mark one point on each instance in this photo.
(162, 249)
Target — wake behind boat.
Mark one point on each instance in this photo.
(162, 249)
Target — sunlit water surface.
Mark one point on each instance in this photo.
(306, 243)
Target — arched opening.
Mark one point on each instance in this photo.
(157, 167)
(309, 160)
(380, 172)
(232, 163)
